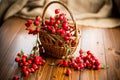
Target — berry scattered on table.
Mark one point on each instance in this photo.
(29, 64)
(68, 72)
(16, 77)
(85, 60)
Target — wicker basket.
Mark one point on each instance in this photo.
(51, 42)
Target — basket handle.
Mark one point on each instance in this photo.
(44, 11)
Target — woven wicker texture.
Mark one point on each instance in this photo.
(53, 44)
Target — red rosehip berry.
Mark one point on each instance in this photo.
(50, 28)
(25, 63)
(65, 20)
(93, 66)
(77, 68)
(62, 14)
(27, 25)
(19, 54)
(34, 66)
(25, 72)
(55, 25)
(67, 28)
(36, 23)
(66, 38)
(52, 19)
(68, 34)
(65, 24)
(61, 17)
(81, 66)
(58, 22)
(81, 51)
(68, 72)
(29, 22)
(57, 11)
(52, 22)
(24, 59)
(47, 22)
(58, 31)
(78, 60)
(32, 55)
(16, 77)
(38, 29)
(17, 59)
(31, 31)
(32, 70)
(60, 63)
(65, 63)
(88, 52)
(37, 59)
(53, 31)
(84, 65)
(62, 32)
(29, 61)
(20, 64)
(37, 18)
(25, 68)
(87, 62)
(74, 65)
(98, 67)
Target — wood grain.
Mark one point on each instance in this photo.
(103, 43)
(112, 42)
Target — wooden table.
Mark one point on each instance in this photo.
(104, 43)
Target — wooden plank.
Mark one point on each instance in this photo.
(25, 42)
(59, 72)
(112, 44)
(103, 43)
(92, 40)
(8, 32)
(21, 41)
(100, 54)
(85, 43)
(46, 73)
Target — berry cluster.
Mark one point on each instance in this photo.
(29, 64)
(58, 25)
(84, 60)
(33, 29)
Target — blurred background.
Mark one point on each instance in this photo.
(95, 13)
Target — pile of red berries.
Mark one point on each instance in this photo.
(58, 25)
(29, 64)
(33, 29)
(84, 60)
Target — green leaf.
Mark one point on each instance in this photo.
(22, 52)
(60, 25)
(103, 66)
(38, 26)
